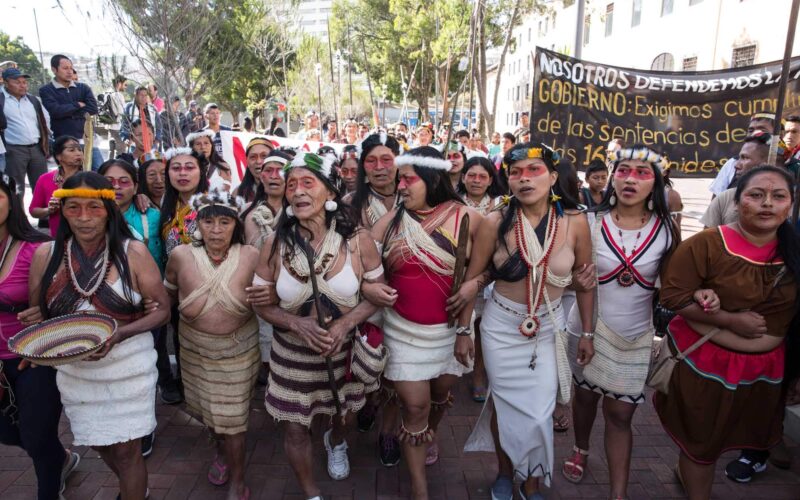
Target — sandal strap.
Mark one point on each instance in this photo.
(582, 452)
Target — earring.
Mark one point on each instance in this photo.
(289, 211)
(331, 206)
(612, 200)
(197, 235)
(555, 199)
(650, 204)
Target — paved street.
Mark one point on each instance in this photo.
(182, 454)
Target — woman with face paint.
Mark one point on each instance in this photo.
(530, 248)
(633, 234)
(420, 242)
(316, 224)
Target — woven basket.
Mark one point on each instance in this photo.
(64, 339)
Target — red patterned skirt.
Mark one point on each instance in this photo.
(720, 399)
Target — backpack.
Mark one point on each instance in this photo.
(105, 108)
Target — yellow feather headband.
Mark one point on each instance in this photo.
(108, 194)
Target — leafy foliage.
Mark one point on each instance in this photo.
(16, 50)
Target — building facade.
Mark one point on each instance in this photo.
(666, 35)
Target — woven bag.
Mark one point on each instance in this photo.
(619, 365)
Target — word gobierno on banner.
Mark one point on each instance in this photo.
(697, 118)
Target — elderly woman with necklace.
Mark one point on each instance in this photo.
(530, 247)
(152, 174)
(261, 217)
(316, 221)
(109, 398)
(420, 244)
(376, 183)
(218, 330)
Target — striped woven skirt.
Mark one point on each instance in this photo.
(299, 389)
(219, 374)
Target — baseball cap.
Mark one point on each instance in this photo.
(12, 73)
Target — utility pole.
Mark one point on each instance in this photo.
(39, 40)
(350, 69)
(579, 29)
(333, 80)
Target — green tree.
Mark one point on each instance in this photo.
(17, 51)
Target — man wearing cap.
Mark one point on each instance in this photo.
(25, 129)
(311, 123)
(194, 119)
(67, 101)
(213, 115)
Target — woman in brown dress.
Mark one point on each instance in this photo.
(727, 393)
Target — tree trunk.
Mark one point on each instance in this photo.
(502, 62)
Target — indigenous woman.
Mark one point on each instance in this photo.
(420, 244)
(456, 155)
(30, 406)
(632, 235)
(315, 220)
(186, 176)
(258, 149)
(260, 220)
(376, 183)
(68, 154)
(479, 188)
(202, 142)
(110, 397)
(152, 174)
(597, 179)
(218, 331)
(375, 195)
(530, 248)
(348, 168)
(726, 394)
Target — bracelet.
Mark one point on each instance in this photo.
(463, 331)
(588, 335)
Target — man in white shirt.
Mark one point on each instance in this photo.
(765, 122)
(25, 128)
(311, 123)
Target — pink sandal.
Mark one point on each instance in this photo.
(222, 472)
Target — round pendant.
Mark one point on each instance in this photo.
(529, 326)
(625, 278)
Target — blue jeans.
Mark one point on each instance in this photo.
(97, 159)
(33, 426)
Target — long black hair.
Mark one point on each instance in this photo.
(170, 204)
(247, 188)
(658, 196)
(124, 165)
(214, 160)
(438, 188)
(788, 249)
(143, 188)
(549, 157)
(116, 229)
(494, 188)
(568, 178)
(361, 196)
(17, 223)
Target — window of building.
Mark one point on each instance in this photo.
(690, 63)
(663, 62)
(527, 90)
(554, 20)
(666, 7)
(609, 19)
(743, 56)
(529, 34)
(587, 21)
(636, 17)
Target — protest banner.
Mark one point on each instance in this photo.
(698, 119)
(234, 145)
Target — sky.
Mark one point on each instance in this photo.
(82, 31)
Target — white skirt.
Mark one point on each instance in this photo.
(112, 400)
(419, 352)
(524, 399)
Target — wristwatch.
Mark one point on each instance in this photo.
(588, 335)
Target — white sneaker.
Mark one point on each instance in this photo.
(338, 463)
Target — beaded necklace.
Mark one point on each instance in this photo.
(535, 256)
(97, 279)
(482, 206)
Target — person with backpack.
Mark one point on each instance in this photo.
(25, 129)
(133, 110)
(112, 106)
